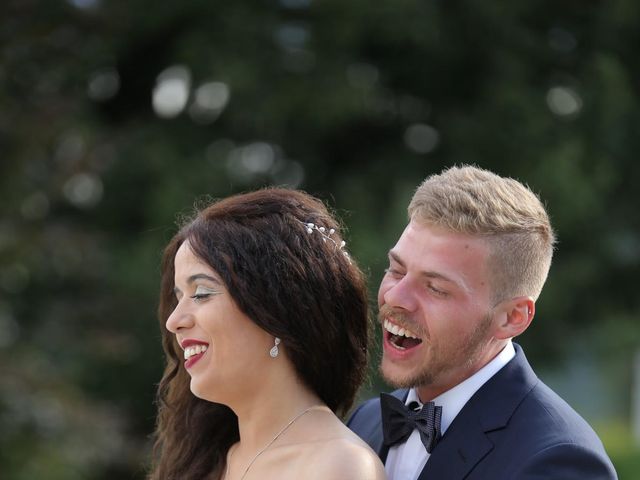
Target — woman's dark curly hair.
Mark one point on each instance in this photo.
(296, 285)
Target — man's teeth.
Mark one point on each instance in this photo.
(396, 330)
(195, 350)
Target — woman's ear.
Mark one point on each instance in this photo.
(514, 316)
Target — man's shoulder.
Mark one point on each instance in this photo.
(370, 409)
(520, 398)
(366, 420)
(365, 410)
(528, 416)
(546, 436)
(543, 409)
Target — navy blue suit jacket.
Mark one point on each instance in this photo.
(513, 428)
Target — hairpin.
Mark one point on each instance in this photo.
(326, 235)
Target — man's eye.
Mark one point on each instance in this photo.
(437, 291)
(393, 272)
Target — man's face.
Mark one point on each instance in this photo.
(435, 309)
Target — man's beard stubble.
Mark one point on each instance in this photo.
(464, 356)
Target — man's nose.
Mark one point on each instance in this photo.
(401, 294)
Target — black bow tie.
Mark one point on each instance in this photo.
(398, 421)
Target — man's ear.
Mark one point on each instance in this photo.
(514, 316)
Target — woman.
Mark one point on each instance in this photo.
(270, 315)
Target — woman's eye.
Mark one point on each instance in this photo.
(200, 296)
(203, 293)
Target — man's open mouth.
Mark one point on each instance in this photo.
(400, 337)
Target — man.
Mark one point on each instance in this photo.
(462, 281)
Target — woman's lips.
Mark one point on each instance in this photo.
(188, 363)
(194, 350)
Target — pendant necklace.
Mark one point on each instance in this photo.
(264, 449)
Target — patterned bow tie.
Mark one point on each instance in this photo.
(398, 421)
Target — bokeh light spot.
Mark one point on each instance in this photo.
(171, 92)
(250, 161)
(258, 157)
(84, 4)
(103, 85)
(421, 138)
(209, 101)
(292, 35)
(84, 190)
(70, 149)
(289, 173)
(562, 40)
(564, 101)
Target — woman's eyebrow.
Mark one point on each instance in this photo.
(202, 276)
(198, 276)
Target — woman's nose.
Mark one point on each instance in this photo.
(179, 319)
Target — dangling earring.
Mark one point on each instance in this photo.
(274, 350)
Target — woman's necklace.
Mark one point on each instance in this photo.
(264, 449)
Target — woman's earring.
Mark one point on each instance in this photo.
(274, 350)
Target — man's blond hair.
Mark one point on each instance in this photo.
(508, 214)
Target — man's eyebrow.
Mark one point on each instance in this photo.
(428, 273)
(439, 276)
(394, 256)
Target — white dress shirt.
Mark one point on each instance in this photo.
(406, 460)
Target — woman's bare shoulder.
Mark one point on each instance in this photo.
(343, 459)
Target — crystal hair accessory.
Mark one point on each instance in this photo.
(326, 235)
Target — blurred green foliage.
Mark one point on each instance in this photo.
(115, 116)
(620, 445)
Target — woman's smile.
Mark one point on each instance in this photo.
(193, 351)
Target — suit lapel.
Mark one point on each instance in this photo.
(457, 453)
(466, 443)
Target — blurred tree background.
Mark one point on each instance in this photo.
(116, 115)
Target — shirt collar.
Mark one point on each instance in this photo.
(454, 399)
